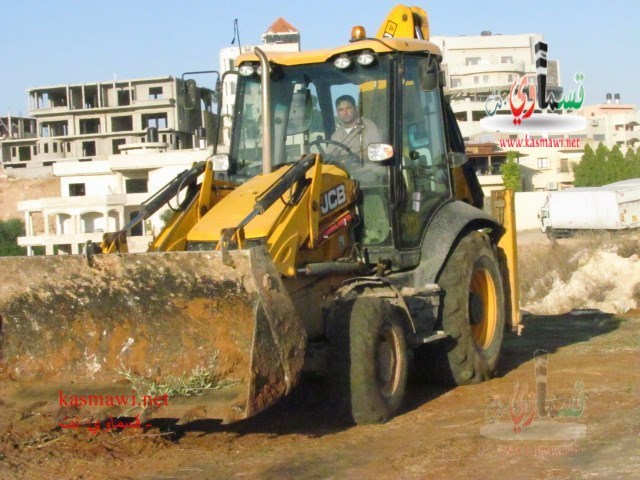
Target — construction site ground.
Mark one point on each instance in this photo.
(477, 431)
(487, 431)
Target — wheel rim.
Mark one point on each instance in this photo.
(483, 311)
(387, 361)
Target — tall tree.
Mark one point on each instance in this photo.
(586, 171)
(616, 168)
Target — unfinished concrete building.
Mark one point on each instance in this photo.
(89, 121)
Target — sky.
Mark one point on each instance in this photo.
(47, 43)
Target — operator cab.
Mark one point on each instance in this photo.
(401, 167)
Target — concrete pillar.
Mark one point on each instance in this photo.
(105, 216)
(29, 251)
(74, 249)
(77, 223)
(48, 249)
(27, 224)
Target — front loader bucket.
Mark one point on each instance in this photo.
(181, 335)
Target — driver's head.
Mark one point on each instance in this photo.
(347, 111)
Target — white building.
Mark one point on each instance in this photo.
(479, 66)
(613, 123)
(102, 196)
(281, 36)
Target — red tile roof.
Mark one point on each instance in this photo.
(282, 26)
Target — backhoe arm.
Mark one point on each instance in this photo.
(116, 241)
(405, 22)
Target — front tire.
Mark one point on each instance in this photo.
(368, 360)
(473, 315)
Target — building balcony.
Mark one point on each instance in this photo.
(459, 70)
(93, 202)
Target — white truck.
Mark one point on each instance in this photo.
(611, 207)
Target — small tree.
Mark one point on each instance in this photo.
(510, 170)
(10, 230)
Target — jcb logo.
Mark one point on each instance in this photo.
(333, 199)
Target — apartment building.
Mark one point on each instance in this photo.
(478, 67)
(613, 123)
(90, 121)
(281, 36)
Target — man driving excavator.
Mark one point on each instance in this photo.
(355, 132)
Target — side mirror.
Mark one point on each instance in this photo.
(457, 159)
(300, 113)
(191, 94)
(428, 74)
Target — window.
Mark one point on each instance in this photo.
(472, 61)
(155, 93)
(77, 190)
(476, 80)
(136, 185)
(543, 163)
(124, 97)
(157, 120)
(14, 152)
(25, 153)
(478, 115)
(485, 79)
(461, 116)
(88, 149)
(46, 148)
(564, 165)
(90, 125)
(55, 147)
(115, 145)
(456, 82)
(122, 124)
(506, 59)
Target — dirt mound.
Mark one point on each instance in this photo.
(599, 272)
(13, 190)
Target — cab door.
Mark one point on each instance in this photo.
(423, 180)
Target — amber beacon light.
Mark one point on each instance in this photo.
(358, 33)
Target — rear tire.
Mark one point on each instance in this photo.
(473, 314)
(367, 359)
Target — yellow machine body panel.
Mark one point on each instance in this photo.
(320, 56)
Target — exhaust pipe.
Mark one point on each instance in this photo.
(266, 113)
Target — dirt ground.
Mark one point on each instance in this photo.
(487, 431)
(14, 190)
(593, 385)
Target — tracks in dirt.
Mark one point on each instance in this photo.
(441, 433)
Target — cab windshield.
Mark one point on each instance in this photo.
(305, 117)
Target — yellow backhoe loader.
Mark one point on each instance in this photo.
(293, 251)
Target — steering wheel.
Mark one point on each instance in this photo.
(319, 141)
